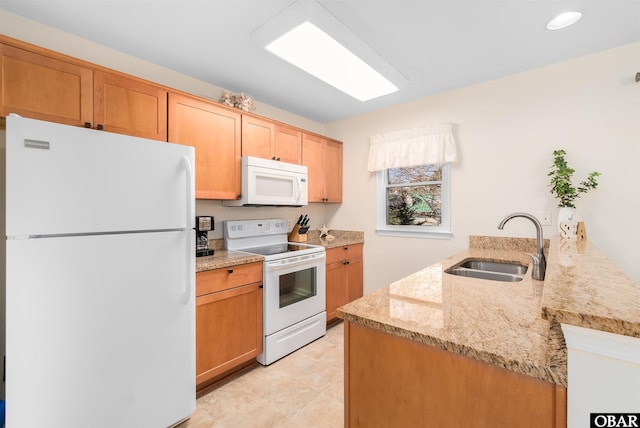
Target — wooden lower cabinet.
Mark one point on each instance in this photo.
(391, 381)
(344, 277)
(228, 321)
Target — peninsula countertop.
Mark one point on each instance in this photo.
(512, 325)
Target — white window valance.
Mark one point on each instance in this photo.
(412, 147)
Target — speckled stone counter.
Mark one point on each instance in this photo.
(501, 323)
(583, 287)
(341, 238)
(225, 258)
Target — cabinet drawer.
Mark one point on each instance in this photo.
(343, 253)
(226, 278)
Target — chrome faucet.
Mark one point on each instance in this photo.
(539, 261)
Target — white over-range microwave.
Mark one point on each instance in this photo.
(270, 182)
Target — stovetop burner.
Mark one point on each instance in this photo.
(268, 250)
(267, 238)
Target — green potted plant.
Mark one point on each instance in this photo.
(563, 189)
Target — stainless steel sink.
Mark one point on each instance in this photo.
(490, 270)
(499, 267)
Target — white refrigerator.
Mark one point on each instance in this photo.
(100, 278)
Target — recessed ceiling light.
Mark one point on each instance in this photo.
(308, 36)
(563, 20)
(314, 51)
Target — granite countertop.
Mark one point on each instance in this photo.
(341, 238)
(224, 258)
(511, 325)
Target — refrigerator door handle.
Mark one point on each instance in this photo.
(186, 163)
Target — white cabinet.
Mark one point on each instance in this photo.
(603, 374)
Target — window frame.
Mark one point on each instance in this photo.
(443, 231)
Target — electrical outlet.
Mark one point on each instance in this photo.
(545, 220)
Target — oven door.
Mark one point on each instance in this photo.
(294, 289)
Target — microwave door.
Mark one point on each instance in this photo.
(273, 188)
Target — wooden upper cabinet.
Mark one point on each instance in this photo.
(323, 158)
(288, 144)
(258, 137)
(214, 131)
(333, 167)
(269, 140)
(45, 88)
(127, 105)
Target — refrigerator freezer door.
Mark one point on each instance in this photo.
(62, 179)
(101, 330)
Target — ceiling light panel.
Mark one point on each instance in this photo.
(314, 51)
(309, 37)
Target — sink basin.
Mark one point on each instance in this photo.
(499, 267)
(490, 270)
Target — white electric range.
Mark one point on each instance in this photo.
(294, 298)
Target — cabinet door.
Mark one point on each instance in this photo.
(336, 288)
(288, 144)
(127, 105)
(215, 133)
(45, 88)
(333, 172)
(354, 279)
(258, 137)
(313, 157)
(228, 330)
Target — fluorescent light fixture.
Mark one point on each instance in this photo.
(314, 51)
(312, 39)
(563, 20)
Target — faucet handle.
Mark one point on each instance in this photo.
(535, 257)
(539, 266)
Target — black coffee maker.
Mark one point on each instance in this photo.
(204, 224)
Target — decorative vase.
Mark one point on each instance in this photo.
(566, 215)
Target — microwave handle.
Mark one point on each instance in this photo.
(298, 186)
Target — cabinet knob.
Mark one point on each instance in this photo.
(100, 127)
(345, 248)
(230, 271)
(87, 124)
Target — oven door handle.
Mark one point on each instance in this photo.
(310, 260)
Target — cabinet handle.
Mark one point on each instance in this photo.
(277, 159)
(346, 248)
(100, 127)
(230, 271)
(87, 124)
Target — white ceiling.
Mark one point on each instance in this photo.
(438, 45)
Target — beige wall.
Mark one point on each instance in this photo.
(506, 131)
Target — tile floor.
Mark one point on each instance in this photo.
(304, 389)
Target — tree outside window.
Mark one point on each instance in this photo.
(414, 201)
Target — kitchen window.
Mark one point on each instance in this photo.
(414, 201)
